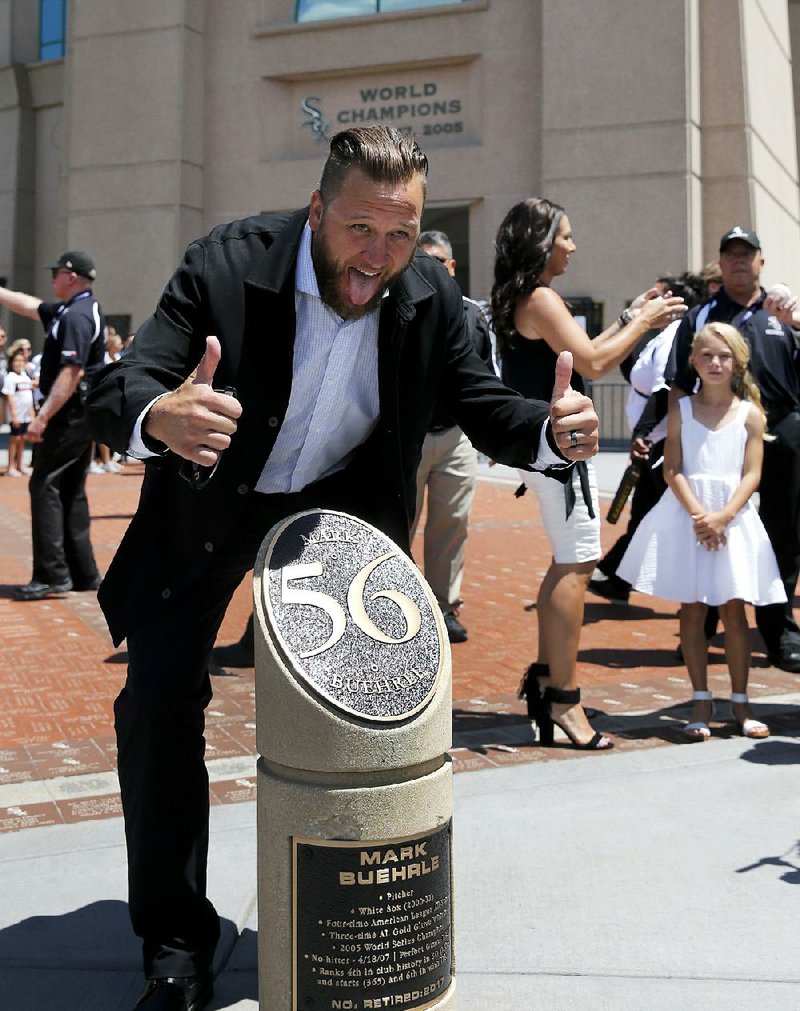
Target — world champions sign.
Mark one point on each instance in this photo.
(436, 111)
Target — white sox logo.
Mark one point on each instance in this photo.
(315, 122)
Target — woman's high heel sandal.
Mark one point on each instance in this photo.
(530, 689)
(546, 723)
(750, 727)
(699, 731)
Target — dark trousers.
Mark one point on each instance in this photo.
(648, 490)
(59, 508)
(160, 726)
(780, 514)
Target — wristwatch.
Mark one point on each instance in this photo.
(624, 318)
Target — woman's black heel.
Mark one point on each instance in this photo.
(544, 721)
(530, 689)
(563, 696)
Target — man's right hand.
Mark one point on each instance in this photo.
(640, 449)
(194, 421)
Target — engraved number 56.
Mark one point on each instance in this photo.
(355, 604)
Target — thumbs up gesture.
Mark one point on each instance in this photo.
(574, 426)
(195, 421)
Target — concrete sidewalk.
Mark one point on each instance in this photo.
(659, 879)
(653, 877)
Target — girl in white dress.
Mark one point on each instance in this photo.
(704, 543)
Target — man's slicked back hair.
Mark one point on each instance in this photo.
(382, 153)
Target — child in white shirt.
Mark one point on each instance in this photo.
(18, 393)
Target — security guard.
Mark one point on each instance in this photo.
(73, 350)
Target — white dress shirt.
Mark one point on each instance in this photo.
(334, 404)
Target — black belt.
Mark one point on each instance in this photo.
(569, 490)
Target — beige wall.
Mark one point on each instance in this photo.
(618, 141)
(657, 123)
(750, 172)
(31, 180)
(135, 143)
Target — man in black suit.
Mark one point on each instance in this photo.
(333, 341)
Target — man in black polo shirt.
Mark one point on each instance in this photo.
(771, 327)
(73, 350)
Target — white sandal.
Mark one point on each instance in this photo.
(750, 728)
(699, 731)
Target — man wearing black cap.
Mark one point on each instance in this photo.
(73, 350)
(771, 326)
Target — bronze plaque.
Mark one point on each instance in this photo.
(372, 922)
(352, 615)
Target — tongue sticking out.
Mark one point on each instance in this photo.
(360, 286)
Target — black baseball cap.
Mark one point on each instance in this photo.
(77, 261)
(743, 234)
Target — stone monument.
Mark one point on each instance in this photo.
(353, 711)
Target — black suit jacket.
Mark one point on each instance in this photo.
(238, 284)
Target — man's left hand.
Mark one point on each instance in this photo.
(574, 426)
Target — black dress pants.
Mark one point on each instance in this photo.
(648, 490)
(62, 548)
(159, 718)
(780, 514)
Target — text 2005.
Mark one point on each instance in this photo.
(430, 129)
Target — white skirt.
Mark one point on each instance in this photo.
(572, 540)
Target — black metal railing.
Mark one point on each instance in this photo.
(609, 401)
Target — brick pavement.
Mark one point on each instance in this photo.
(59, 672)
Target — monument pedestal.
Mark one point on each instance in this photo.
(353, 702)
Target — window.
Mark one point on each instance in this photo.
(320, 10)
(52, 29)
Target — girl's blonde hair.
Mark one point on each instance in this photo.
(19, 345)
(743, 384)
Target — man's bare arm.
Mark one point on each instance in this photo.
(20, 303)
(65, 384)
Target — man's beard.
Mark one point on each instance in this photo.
(331, 280)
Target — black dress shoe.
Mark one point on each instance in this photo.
(34, 590)
(235, 655)
(455, 630)
(786, 660)
(611, 588)
(176, 993)
(91, 584)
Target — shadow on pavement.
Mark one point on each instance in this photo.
(616, 657)
(595, 611)
(792, 875)
(96, 936)
(96, 941)
(772, 752)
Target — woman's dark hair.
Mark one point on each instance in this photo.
(523, 244)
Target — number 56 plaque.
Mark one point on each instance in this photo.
(353, 615)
